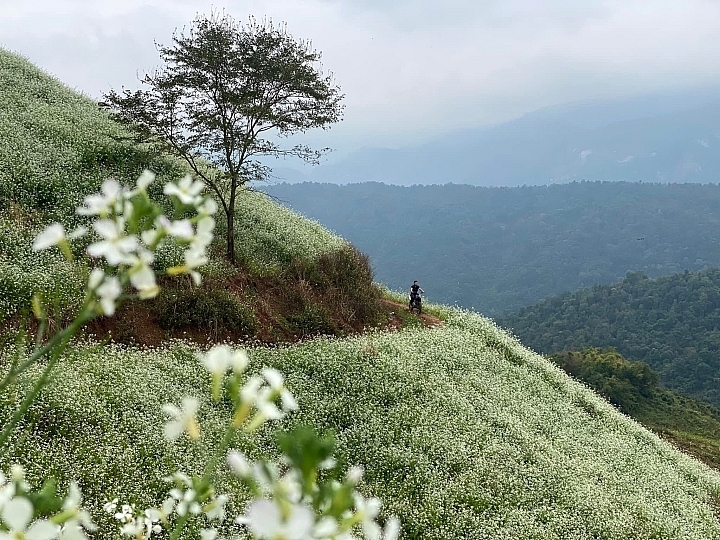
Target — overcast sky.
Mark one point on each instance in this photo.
(410, 69)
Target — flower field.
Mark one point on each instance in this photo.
(56, 146)
(463, 433)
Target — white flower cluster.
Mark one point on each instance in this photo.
(283, 507)
(283, 510)
(69, 522)
(270, 235)
(128, 236)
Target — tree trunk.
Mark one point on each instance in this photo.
(230, 212)
(231, 236)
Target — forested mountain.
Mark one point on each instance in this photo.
(671, 323)
(651, 138)
(499, 249)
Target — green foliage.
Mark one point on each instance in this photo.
(499, 249)
(311, 320)
(622, 382)
(461, 431)
(671, 323)
(203, 308)
(222, 94)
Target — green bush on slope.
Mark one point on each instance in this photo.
(463, 432)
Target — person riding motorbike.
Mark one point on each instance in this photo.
(415, 291)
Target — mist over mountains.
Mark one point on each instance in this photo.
(671, 137)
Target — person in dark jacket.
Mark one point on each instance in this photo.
(415, 291)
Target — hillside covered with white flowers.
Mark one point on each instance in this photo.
(460, 430)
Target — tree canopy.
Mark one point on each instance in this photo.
(227, 95)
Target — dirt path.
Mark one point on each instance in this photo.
(428, 321)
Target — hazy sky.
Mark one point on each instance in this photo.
(410, 69)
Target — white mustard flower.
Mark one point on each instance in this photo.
(79, 518)
(182, 419)
(366, 511)
(110, 506)
(277, 384)
(221, 358)
(103, 203)
(182, 228)
(208, 534)
(186, 502)
(17, 516)
(239, 464)
(126, 514)
(204, 235)
(109, 291)
(391, 531)
(145, 179)
(53, 235)
(142, 276)
(116, 246)
(215, 509)
(266, 520)
(187, 190)
(208, 207)
(355, 474)
(78, 233)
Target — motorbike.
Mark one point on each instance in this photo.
(415, 303)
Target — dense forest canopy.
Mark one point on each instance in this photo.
(499, 249)
(671, 323)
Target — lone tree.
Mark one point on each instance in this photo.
(228, 94)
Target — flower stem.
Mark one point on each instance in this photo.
(56, 346)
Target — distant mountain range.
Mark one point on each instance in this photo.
(499, 249)
(654, 138)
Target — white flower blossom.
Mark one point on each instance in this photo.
(17, 516)
(109, 291)
(221, 358)
(208, 534)
(116, 245)
(142, 276)
(182, 228)
(80, 518)
(239, 464)
(208, 207)
(108, 200)
(145, 179)
(182, 419)
(187, 190)
(266, 520)
(51, 236)
(367, 511)
(111, 506)
(186, 502)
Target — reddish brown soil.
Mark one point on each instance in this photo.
(393, 307)
(135, 322)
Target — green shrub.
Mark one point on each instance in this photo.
(311, 320)
(214, 309)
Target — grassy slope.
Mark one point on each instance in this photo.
(633, 387)
(462, 431)
(56, 147)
